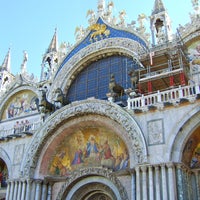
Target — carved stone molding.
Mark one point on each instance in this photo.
(112, 111)
(101, 172)
(93, 52)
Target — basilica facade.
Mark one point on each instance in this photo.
(116, 116)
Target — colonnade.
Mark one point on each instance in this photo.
(28, 189)
(167, 181)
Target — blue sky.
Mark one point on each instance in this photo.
(30, 25)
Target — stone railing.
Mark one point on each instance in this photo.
(15, 132)
(159, 99)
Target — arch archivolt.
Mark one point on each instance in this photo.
(93, 52)
(100, 175)
(132, 134)
(184, 130)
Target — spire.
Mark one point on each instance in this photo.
(160, 24)
(6, 62)
(53, 47)
(158, 7)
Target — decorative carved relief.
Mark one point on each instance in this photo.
(155, 132)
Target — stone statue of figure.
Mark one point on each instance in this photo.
(25, 57)
(141, 20)
(91, 15)
(23, 65)
(195, 3)
(122, 15)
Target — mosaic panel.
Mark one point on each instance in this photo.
(91, 147)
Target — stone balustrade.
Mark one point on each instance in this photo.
(159, 99)
(15, 132)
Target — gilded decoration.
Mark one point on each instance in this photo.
(91, 147)
(20, 104)
(98, 30)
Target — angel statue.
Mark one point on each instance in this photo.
(91, 20)
(79, 33)
(23, 65)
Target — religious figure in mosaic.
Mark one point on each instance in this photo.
(89, 148)
(195, 162)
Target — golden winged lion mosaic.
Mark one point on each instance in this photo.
(99, 30)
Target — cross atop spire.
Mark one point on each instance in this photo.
(6, 63)
(158, 7)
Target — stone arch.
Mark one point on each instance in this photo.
(75, 109)
(95, 51)
(184, 130)
(91, 176)
(5, 157)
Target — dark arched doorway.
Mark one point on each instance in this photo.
(93, 191)
(3, 179)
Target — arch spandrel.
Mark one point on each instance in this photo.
(133, 137)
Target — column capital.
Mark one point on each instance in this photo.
(170, 165)
(144, 168)
(38, 181)
(157, 167)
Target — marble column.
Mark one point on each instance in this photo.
(157, 182)
(11, 190)
(28, 189)
(197, 183)
(164, 183)
(49, 191)
(172, 182)
(138, 192)
(38, 189)
(133, 186)
(23, 195)
(8, 190)
(180, 182)
(15, 190)
(44, 191)
(144, 182)
(19, 190)
(151, 185)
(33, 190)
